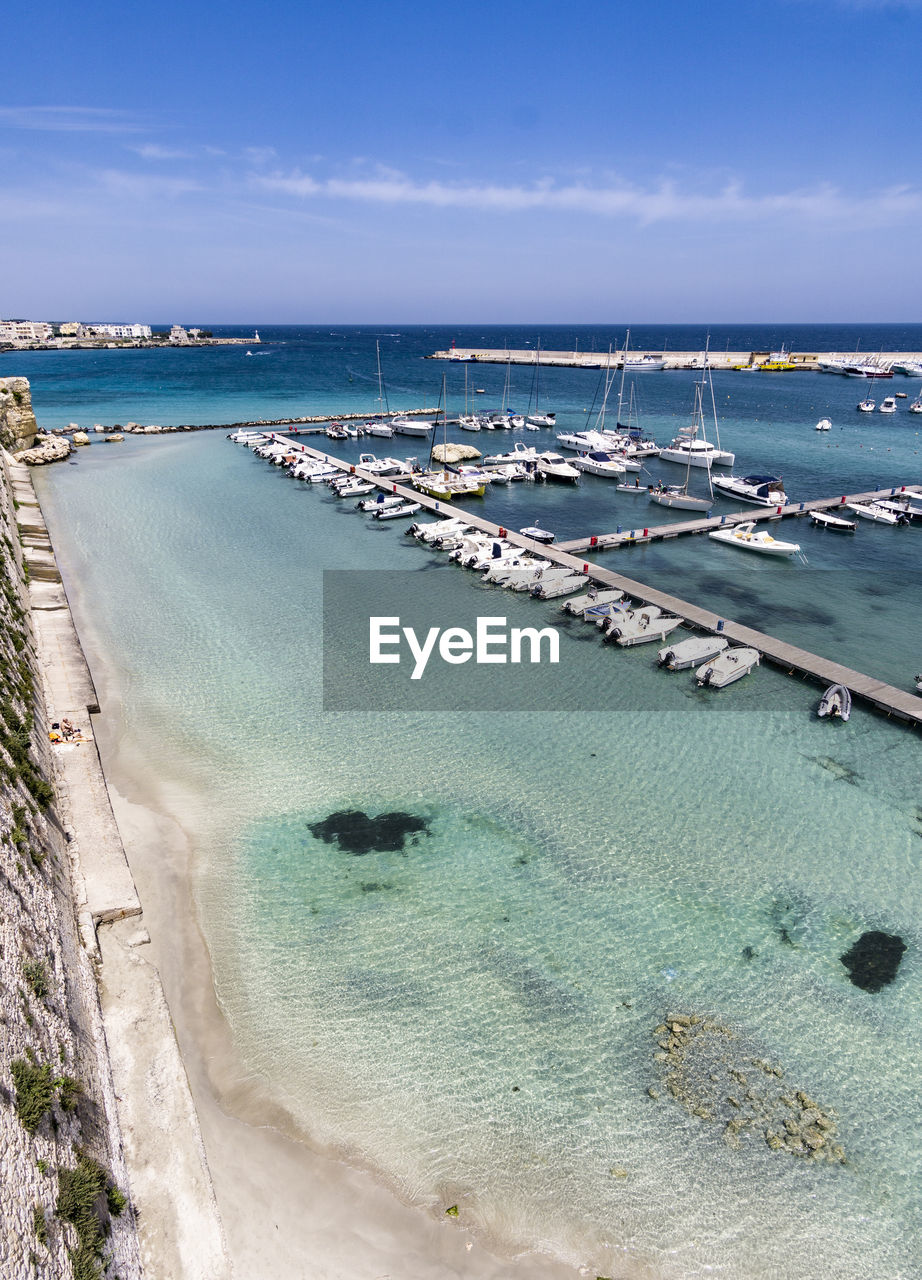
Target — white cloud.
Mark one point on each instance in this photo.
(68, 119)
(153, 151)
(660, 203)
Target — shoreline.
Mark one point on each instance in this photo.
(322, 1213)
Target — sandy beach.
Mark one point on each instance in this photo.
(286, 1209)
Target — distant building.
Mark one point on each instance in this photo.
(19, 331)
(114, 330)
(70, 329)
(178, 334)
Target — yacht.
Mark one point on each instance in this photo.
(762, 491)
(643, 364)
(916, 406)
(382, 429)
(888, 405)
(553, 467)
(541, 419)
(867, 405)
(688, 451)
(749, 537)
(519, 453)
(727, 667)
(411, 426)
(381, 466)
(824, 424)
(691, 652)
(600, 463)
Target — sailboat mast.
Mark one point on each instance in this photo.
(627, 338)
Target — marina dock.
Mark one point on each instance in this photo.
(882, 697)
(672, 359)
(640, 534)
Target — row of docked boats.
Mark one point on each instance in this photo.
(888, 404)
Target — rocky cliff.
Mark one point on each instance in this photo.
(18, 427)
(64, 1210)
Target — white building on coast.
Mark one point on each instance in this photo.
(20, 331)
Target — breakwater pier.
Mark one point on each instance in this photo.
(882, 697)
(749, 360)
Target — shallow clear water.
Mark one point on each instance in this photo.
(472, 1015)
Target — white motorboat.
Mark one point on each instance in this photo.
(353, 488)
(824, 424)
(553, 573)
(382, 429)
(823, 520)
(553, 467)
(749, 537)
(248, 437)
(469, 422)
(916, 406)
(727, 667)
(411, 426)
(688, 451)
(435, 529)
(541, 419)
(902, 506)
(911, 368)
(512, 568)
(636, 487)
(519, 453)
(691, 652)
(537, 534)
(643, 364)
(468, 471)
(381, 466)
(866, 406)
(762, 491)
(336, 431)
(836, 703)
(677, 495)
(887, 405)
(585, 441)
(550, 589)
(874, 511)
(382, 502)
(508, 472)
(592, 599)
(600, 463)
(866, 371)
(641, 626)
(398, 513)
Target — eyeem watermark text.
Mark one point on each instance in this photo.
(492, 642)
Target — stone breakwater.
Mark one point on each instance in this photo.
(717, 1074)
(65, 1199)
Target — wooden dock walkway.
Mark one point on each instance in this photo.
(883, 697)
(639, 533)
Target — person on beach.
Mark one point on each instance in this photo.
(67, 728)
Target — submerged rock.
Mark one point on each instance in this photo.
(874, 959)
(359, 833)
(708, 1068)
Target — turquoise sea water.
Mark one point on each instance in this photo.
(472, 1015)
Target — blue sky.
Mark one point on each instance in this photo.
(507, 162)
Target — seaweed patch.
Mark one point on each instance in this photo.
(874, 959)
(359, 833)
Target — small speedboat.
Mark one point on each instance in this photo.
(537, 535)
(874, 511)
(548, 590)
(382, 503)
(888, 405)
(824, 424)
(691, 652)
(591, 599)
(727, 667)
(398, 513)
(641, 626)
(836, 703)
(749, 537)
(823, 520)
